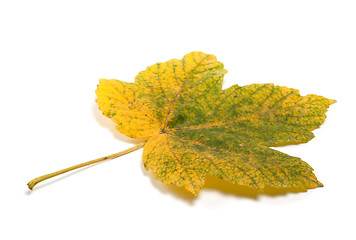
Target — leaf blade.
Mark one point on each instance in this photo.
(195, 129)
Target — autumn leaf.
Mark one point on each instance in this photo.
(194, 128)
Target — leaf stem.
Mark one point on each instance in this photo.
(37, 180)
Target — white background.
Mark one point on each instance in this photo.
(52, 54)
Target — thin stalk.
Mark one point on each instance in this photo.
(34, 182)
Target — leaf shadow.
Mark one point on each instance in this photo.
(217, 185)
(227, 188)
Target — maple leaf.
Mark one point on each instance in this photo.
(194, 128)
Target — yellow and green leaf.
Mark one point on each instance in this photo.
(194, 128)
